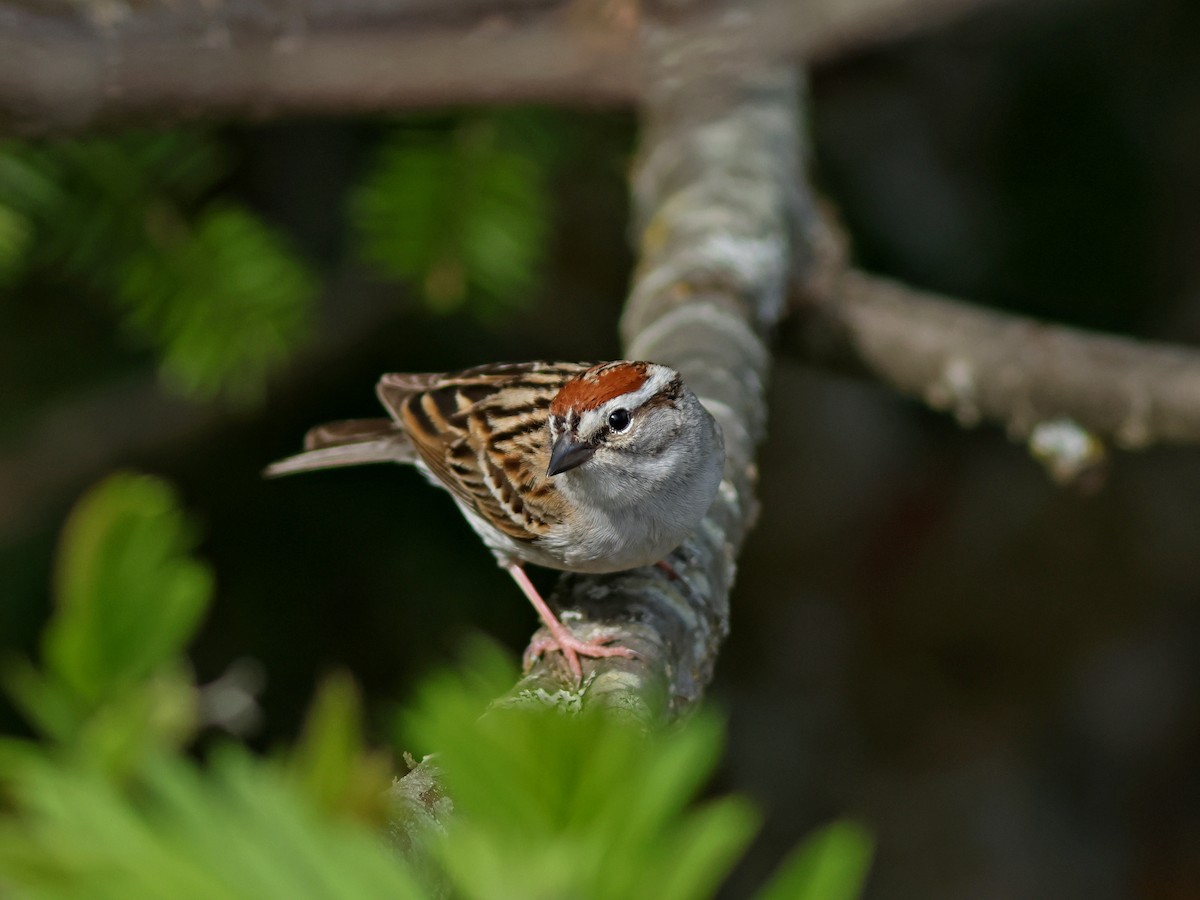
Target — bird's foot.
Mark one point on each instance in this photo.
(560, 637)
(572, 648)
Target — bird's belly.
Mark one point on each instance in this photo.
(610, 541)
(608, 546)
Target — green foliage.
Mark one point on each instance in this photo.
(110, 805)
(331, 763)
(463, 212)
(128, 598)
(831, 865)
(16, 238)
(140, 819)
(590, 806)
(225, 303)
(235, 828)
(89, 199)
(213, 290)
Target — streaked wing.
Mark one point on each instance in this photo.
(503, 479)
(393, 389)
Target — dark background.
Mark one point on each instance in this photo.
(998, 675)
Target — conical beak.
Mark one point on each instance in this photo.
(567, 454)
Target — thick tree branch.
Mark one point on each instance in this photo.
(67, 67)
(714, 189)
(985, 365)
(717, 197)
(63, 73)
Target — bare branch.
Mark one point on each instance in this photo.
(68, 67)
(981, 364)
(217, 60)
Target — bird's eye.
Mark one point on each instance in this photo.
(618, 419)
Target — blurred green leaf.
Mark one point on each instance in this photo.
(50, 706)
(16, 237)
(129, 595)
(330, 762)
(235, 829)
(27, 178)
(156, 714)
(115, 736)
(831, 865)
(546, 805)
(71, 825)
(114, 688)
(588, 806)
(463, 214)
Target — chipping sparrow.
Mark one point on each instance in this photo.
(587, 468)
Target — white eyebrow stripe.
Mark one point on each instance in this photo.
(595, 419)
(592, 421)
(660, 377)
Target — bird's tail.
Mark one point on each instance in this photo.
(352, 442)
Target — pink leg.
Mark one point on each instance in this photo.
(665, 566)
(560, 636)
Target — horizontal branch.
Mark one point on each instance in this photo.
(68, 67)
(985, 365)
(162, 64)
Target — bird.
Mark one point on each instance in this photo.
(576, 466)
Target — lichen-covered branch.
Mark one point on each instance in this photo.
(66, 67)
(982, 364)
(714, 195)
(717, 195)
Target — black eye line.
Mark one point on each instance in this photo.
(605, 431)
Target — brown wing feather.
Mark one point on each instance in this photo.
(348, 431)
(393, 389)
(503, 479)
(350, 442)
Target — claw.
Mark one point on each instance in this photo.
(572, 648)
(560, 638)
